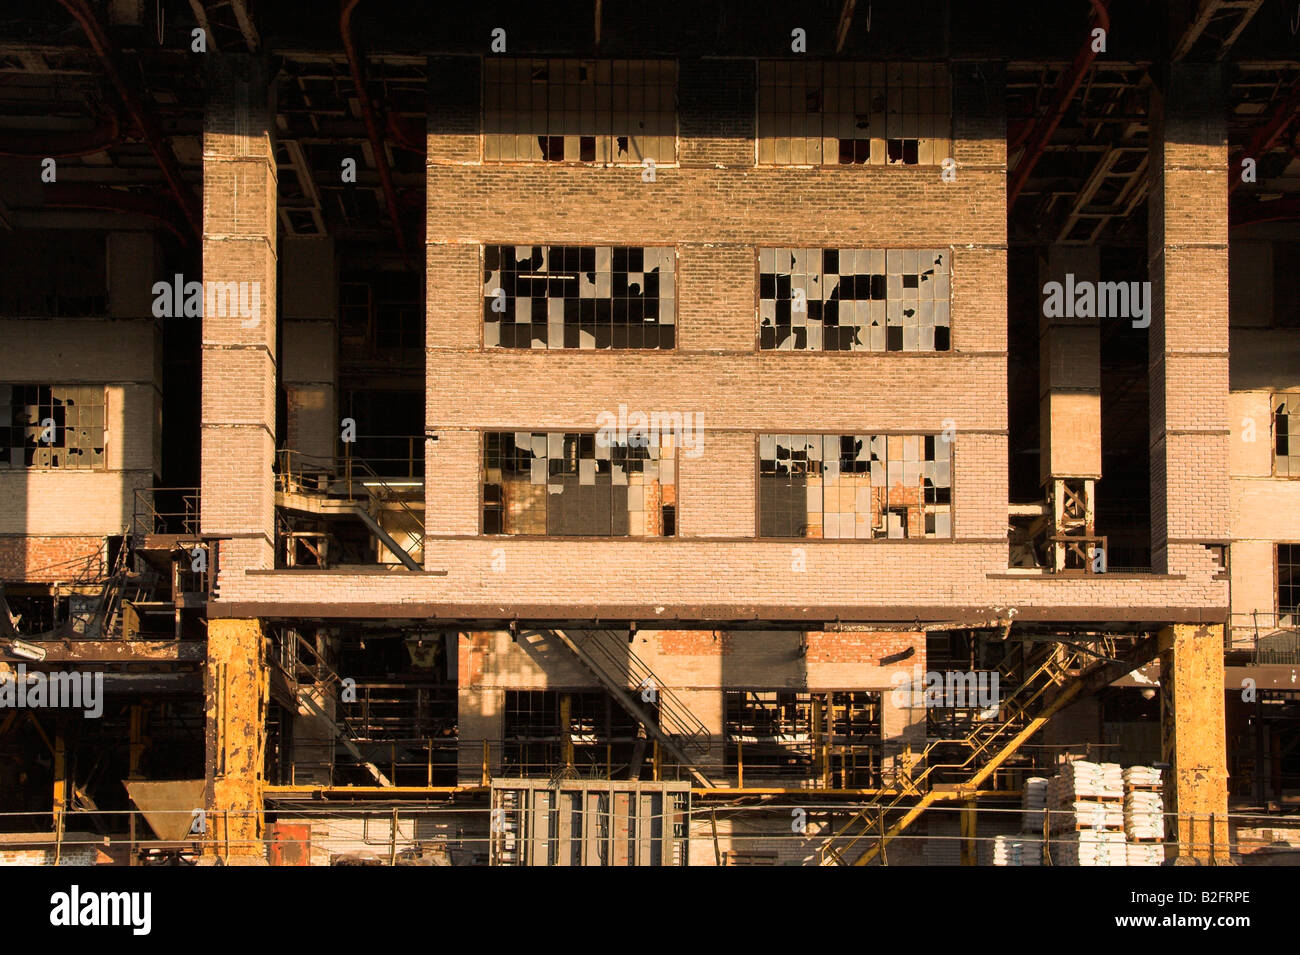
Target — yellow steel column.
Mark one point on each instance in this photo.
(235, 684)
(1194, 741)
(969, 849)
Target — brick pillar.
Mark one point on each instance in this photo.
(234, 688)
(1194, 740)
(1188, 248)
(310, 303)
(239, 350)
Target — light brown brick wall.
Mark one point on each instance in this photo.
(239, 363)
(122, 354)
(716, 208)
(1188, 239)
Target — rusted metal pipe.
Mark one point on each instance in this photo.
(63, 144)
(171, 169)
(77, 195)
(1067, 86)
(373, 132)
(1265, 136)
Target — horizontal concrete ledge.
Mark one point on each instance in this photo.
(737, 616)
(360, 570)
(1268, 676)
(1105, 576)
(115, 651)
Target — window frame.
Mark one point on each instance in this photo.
(758, 303)
(888, 69)
(886, 433)
(93, 387)
(483, 484)
(503, 349)
(1294, 611)
(1293, 435)
(675, 111)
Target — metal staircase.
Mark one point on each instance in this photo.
(608, 656)
(293, 682)
(320, 491)
(1050, 677)
(119, 585)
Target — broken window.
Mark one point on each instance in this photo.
(52, 426)
(1286, 435)
(828, 114)
(829, 738)
(586, 297)
(605, 111)
(854, 299)
(579, 485)
(599, 740)
(854, 486)
(1288, 584)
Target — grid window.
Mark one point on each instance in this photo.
(1288, 584)
(52, 426)
(585, 297)
(853, 114)
(535, 736)
(854, 299)
(832, 738)
(854, 486)
(569, 485)
(1286, 435)
(601, 111)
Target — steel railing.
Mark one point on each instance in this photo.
(1270, 637)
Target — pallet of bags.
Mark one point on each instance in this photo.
(1142, 777)
(1016, 851)
(1088, 814)
(1144, 817)
(1033, 800)
(1145, 853)
(1090, 847)
(1082, 779)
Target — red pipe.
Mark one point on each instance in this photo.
(77, 195)
(1067, 86)
(407, 134)
(372, 123)
(171, 169)
(63, 144)
(1266, 136)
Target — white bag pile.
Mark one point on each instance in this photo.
(1084, 780)
(1090, 847)
(1033, 799)
(1142, 776)
(1145, 853)
(1091, 815)
(1144, 815)
(1017, 851)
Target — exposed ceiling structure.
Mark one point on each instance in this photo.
(115, 92)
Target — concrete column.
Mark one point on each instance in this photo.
(310, 348)
(239, 341)
(234, 686)
(1194, 740)
(1188, 247)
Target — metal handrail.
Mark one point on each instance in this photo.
(680, 722)
(147, 519)
(1050, 667)
(1280, 630)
